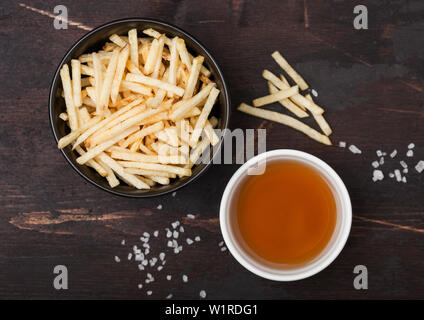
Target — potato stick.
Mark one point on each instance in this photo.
(111, 178)
(132, 67)
(193, 112)
(127, 177)
(133, 156)
(116, 116)
(69, 100)
(203, 69)
(107, 84)
(76, 82)
(91, 92)
(88, 57)
(173, 64)
(155, 83)
(287, 103)
(91, 153)
(148, 181)
(184, 106)
(283, 78)
(198, 151)
(145, 40)
(286, 120)
(144, 172)
(289, 70)
(280, 95)
(118, 40)
(172, 134)
(319, 118)
(281, 84)
(118, 128)
(98, 78)
(63, 116)
(158, 167)
(146, 150)
(83, 115)
(120, 68)
(89, 102)
(155, 34)
(149, 66)
(194, 76)
(132, 39)
(160, 180)
(300, 100)
(158, 62)
(93, 163)
(182, 51)
(210, 133)
(156, 118)
(155, 101)
(200, 123)
(135, 87)
(142, 133)
(64, 141)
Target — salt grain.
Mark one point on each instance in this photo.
(162, 256)
(159, 207)
(146, 234)
(175, 224)
(181, 229)
(420, 166)
(147, 251)
(202, 294)
(185, 278)
(174, 194)
(405, 170)
(175, 234)
(379, 153)
(377, 175)
(169, 296)
(123, 242)
(191, 216)
(140, 286)
(410, 154)
(397, 175)
(117, 259)
(189, 241)
(411, 146)
(381, 160)
(342, 144)
(160, 268)
(149, 293)
(354, 149)
(391, 175)
(375, 164)
(224, 249)
(168, 233)
(221, 243)
(170, 244)
(403, 164)
(404, 179)
(393, 154)
(168, 277)
(156, 233)
(197, 238)
(129, 256)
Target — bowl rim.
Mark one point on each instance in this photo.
(297, 273)
(165, 25)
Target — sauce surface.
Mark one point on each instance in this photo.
(288, 214)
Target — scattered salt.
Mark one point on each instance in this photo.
(342, 144)
(377, 175)
(160, 268)
(149, 293)
(159, 207)
(185, 278)
(168, 233)
(170, 244)
(140, 286)
(123, 242)
(314, 93)
(420, 166)
(181, 229)
(129, 256)
(221, 243)
(375, 164)
(382, 160)
(379, 153)
(404, 179)
(146, 234)
(169, 296)
(393, 154)
(224, 249)
(117, 259)
(197, 238)
(410, 154)
(403, 164)
(162, 256)
(174, 194)
(191, 216)
(405, 170)
(156, 233)
(354, 149)
(202, 294)
(391, 175)
(175, 224)
(411, 146)
(189, 241)
(168, 277)
(175, 234)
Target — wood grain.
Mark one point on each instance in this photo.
(370, 82)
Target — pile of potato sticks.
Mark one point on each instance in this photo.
(137, 109)
(290, 97)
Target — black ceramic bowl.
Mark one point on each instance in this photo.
(93, 41)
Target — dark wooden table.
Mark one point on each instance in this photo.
(370, 81)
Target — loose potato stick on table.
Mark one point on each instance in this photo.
(319, 118)
(286, 120)
(287, 103)
(290, 71)
(277, 96)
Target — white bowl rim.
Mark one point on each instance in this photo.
(334, 250)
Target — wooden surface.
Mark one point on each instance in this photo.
(370, 81)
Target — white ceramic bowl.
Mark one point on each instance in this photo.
(254, 263)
